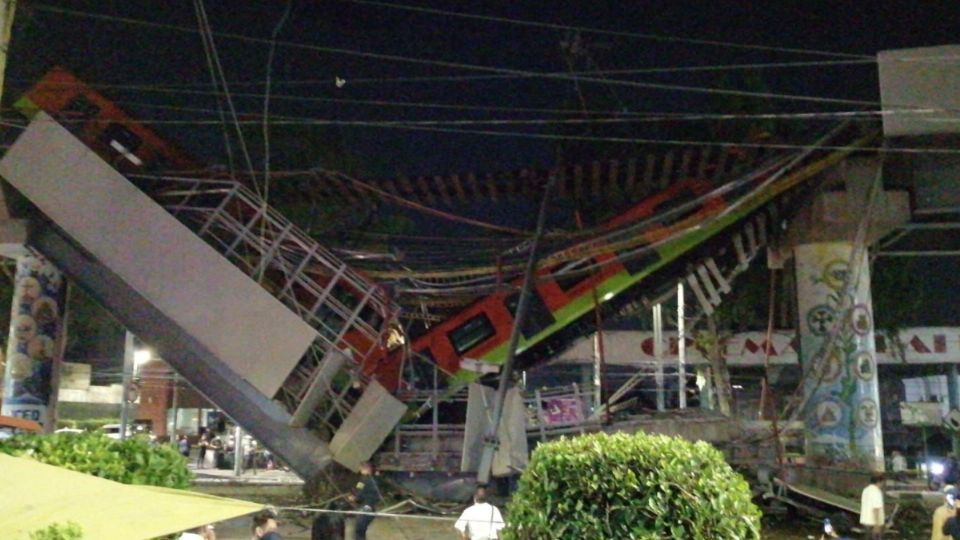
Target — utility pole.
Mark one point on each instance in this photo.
(491, 441)
(238, 450)
(7, 11)
(658, 354)
(128, 353)
(681, 348)
(176, 407)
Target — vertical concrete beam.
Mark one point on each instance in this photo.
(953, 395)
(842, 413)
(35, 345)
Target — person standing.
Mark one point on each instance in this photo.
(944, 512)
(951, 529)
(207, 532)
(265, 525)
(183, 445)
(951, 473)
(898, 463)
(215, 452)
(203, 443)
(367, 496)
(481, 521)
(871, 508)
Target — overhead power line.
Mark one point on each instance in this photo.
(602, 31)
(598, 117)
(282, 120)
(354, 81)
(458, 65)
(622, 71)
(673, 142)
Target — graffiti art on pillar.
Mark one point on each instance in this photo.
(864, 366)
(821, 319)
(35, 330)
(842, 416)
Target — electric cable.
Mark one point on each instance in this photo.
(668, 142)
(610, 117)
(453, 64)
(211, 69)
(796, 176)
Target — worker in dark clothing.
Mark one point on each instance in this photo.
(367, 496)
(952, 526)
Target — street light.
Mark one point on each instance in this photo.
(140, 358)
(133, 358)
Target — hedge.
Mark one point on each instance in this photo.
(638, 486)
(132, 461)
(58, 531)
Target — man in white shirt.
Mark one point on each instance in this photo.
(482, 521)
(871, 507)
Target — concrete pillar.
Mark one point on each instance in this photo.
(35, 345)
(842, 413)
(953, 395)
(704, 382)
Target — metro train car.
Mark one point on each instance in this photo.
(481, 332)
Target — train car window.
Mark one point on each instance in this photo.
(471, 333)
(421, 370)
(684, 197)
(639, 263)
(538, 315)
(567, 283)
(79, 110)
(122, 140)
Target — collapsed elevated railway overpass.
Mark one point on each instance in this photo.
(304, 349)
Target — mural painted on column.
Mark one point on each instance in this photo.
(842, 416)
(36, 324)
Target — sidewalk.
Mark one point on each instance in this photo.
(249, 476)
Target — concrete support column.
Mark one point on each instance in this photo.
(842, 413)
(704, 382)
(953, 395)
(35, 345)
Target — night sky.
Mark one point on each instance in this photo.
(119, 53)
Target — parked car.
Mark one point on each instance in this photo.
(68, 430)
(111, 430)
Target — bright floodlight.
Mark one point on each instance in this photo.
(607, 296)
(936, 468)
(142, 356)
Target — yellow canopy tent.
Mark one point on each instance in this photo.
(34, 495)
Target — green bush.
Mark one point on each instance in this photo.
(642, 487)
(57, 531)
(133, 461)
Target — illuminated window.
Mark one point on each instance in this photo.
(471, 333)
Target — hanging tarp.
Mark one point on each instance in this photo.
(34, 495)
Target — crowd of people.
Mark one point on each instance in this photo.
(946, 517)
(213, 453)
(480, 521)
(483, 521)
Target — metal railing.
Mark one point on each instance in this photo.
(350, 312)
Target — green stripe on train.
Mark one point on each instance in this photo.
(669, 252)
